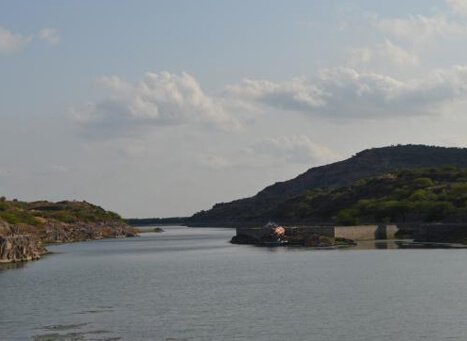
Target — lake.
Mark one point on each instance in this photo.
(192, 284)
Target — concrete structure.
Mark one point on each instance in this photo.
(366, 232)
(421, 232)
(361, 232)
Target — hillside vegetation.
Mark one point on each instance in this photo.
(368, 163)
(421, 195)
(39, 212)
(26, 226)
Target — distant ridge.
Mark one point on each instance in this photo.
(367, 163)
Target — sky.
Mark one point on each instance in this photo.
(164, 108)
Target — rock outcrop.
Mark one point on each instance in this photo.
(20, 248)
(26, 227)
(66, 233)
(21, 243)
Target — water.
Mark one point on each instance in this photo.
(191, 284)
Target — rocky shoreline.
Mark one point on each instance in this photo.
(27, 227)
(77, 232)
(20, 248)
(20, 243)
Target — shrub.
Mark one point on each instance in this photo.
(347, 217)
(424, 182)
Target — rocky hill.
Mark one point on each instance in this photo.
(432, 195)
(26, 226)
(368, 163)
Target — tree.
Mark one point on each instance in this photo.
(347, 217)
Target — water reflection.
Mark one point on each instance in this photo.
(369, 245)
(11, 266)
(376, 245)
(403, 244)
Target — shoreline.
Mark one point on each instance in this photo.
(25, 243)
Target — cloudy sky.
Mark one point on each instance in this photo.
(163, 108)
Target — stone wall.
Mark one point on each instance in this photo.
(327, 231)
(366, 232)
(391, 231)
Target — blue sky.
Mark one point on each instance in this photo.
(158, 108)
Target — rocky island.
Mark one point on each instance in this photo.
(26, 227)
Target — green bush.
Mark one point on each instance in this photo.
(19, 217)
(422, 195)
(424, 182)
(347, 217)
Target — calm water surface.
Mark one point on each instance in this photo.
(191, 284)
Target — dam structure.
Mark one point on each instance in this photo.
(359, 232)
(421, 232)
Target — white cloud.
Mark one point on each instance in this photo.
(411, 40)
(298, 149)
(421, 28)
(12, 42)
(50, 36)
(157, 100)
(267, 153)
(373, 95)
(388, 52)
(362, 55)
(296, 94)
(398, 55)
(348, 93)
(164, 99)
(215, 162)
(458, 6)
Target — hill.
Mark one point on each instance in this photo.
(26, 226)
(418, 195)
(368, 163)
